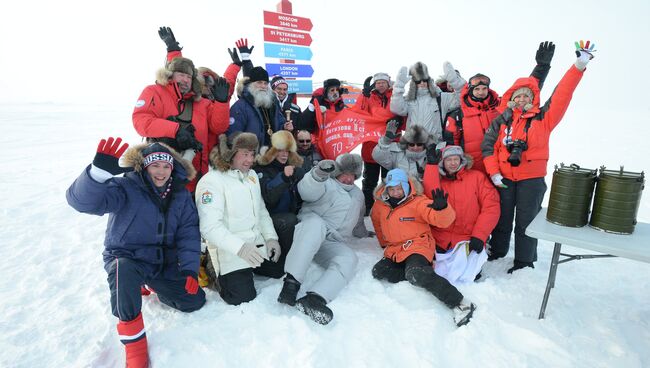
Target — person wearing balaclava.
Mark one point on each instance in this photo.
(152, 236)
(331, 215)
(403, 218)
(477, 211)
(235, 223)
(478, 107)
(515, 153)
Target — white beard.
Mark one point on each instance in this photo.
(262, 98)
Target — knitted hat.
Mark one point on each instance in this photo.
(398, 177)
(523, 90)
(452, 151)
(348, 163)
(258, 74)
(332, 82)
(278, 80)
(415, 134)
(382, 76)
(222, 154)
(157, 152)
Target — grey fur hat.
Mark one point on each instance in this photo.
(222, 154)
(415, 134)
(348, 163)
(420, 72)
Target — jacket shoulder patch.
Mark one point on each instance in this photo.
(206, 197)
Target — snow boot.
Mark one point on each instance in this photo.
(518, 265)
(493, 256)
(134, 338)
(289, 290)
(463, 312)
(315, 307)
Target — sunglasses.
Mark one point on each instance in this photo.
(304, 140)
(416, 144)
(419, 81)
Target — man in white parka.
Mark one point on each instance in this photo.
(234, 220)
(331, 214)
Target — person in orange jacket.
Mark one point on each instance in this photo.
(478, 107)
(477, 211)
(515, 153)
(402, 217)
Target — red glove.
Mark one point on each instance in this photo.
(191, 282)
(108, 156)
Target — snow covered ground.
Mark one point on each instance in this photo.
(54, 299)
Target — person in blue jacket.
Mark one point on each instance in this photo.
(152, 236)
(256, 111)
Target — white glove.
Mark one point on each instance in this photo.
(452, 77)
(248, 252)
(583, 59)
(402, 77)
(273, 250)
(497, 179)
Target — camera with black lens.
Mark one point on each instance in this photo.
(516, 148)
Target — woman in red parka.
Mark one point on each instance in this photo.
(515, 153)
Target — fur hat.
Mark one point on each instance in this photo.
(258, 74)
(525, 91)
(415, 134)
(136, 157)
(332, 82)
(452, 151)
(281, 140)
(222, 154)
(419, 72)
(277, 80)
(181, 65)
(348, 163)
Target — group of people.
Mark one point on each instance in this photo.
(458, 164)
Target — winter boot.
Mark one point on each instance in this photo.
(315, 307)
(463, 312)
(518, 265)
(289, 290)
(493, 256)
(134, 338)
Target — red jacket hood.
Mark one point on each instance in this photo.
(530, 82)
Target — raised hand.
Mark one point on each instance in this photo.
(220, 90)
(323, 169)
(235, 58)
(433, 154)
(391, 128)
(367, 87)
(108, 156)
(167, 36)
(402, 77)
(439, 197)
(244, 50)
(545, 53)
(584, 52)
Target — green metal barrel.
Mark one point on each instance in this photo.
(617, 199)
(571, 193)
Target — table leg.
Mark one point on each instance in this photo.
(551, 278)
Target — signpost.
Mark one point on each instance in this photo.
(286, 38)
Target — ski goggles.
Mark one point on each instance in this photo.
(479, 80)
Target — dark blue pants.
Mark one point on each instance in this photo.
(521, 201)
(125, 276)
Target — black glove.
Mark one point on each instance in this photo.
(545, 53)
(167, 36)
(391, 128)
(476, 245)
(220, 90)
(234, 57)
(367, 87)
(186, 139)
(108, 156)
(433, 155)
(439, 199)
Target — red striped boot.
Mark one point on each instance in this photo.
(134, 338)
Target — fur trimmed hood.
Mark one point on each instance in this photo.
(348, 163)
(222, 153)
(183, 65)
(281, 140)
(419, 71)
(466, 161)
(183, 169)
(415, 134)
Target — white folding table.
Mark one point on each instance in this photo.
(634, 246)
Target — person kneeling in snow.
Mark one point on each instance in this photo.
(152, 235)
(402, 217)
(234, 220)
(332, 212)
(477, 211)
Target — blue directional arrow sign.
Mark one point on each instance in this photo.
(290, 70)
(275, 50)
(300, 86)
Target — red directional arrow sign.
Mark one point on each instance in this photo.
(287, 37)
(287, 21)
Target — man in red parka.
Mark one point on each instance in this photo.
(515, 151)
(473, 197)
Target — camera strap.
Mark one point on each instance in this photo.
(185, 107)
(529, 122)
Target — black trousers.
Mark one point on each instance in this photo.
(125, 276)
(239, 287)
(418, 271)
(521, 201)
(284, 224)
(371, 172)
